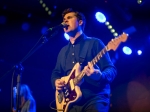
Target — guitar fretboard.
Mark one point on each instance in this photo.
(93, 62)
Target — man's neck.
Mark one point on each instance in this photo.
(73, 38)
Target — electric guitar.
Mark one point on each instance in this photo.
(71, 92)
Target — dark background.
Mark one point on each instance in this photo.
(131, 87)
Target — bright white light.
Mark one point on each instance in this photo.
(44, 5)
(139, 52)
(46, 8)
(100, 17)
(139, 1)
(66, 36)
(107, 23)
(127, 50)
(109, 27)
(112, 30)
(115, 34)
(49, 12)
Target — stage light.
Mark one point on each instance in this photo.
(29, 15)
(100, 17)
(46, 8)
(41, 1)
(109, 27)
(49, 12)
(139, 1)
(55, 6)
(139, 52)
(127, 50)
(106, 23)
(25, 26)
(44, 5)
(66, 36)
(44, 29)
(112, 30)
(115, 34)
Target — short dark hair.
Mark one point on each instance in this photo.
(79, 15)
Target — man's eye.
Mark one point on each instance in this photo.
(69, 17)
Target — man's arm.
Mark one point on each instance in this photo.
(104, 70)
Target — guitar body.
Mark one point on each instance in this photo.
(71, 92)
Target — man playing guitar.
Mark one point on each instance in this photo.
(93, 88)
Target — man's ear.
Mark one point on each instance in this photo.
(80, 22)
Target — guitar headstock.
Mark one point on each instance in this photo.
(114, 43)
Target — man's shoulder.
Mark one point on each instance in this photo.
(93, 39)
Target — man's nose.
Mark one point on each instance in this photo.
(66, 21)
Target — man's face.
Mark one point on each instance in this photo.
(71, 20)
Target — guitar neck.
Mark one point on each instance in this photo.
(99, 55)
(93, 62)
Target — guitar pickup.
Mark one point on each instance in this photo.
(60, 97)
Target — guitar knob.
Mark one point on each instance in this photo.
(66, 91)
(67, 94)
(67, 99)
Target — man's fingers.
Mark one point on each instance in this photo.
(59, 81)
(58, 88)
(59, 84)
(90, 65)
(87, 71)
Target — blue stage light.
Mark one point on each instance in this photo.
(139, 52)
(100, 17)
(25, 26)
(127, 50)
(44, 29)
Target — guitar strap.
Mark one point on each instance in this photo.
(83, 51)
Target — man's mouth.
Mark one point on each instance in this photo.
(67, 27)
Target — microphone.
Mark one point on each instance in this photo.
(62, 25)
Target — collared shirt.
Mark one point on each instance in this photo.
(70, 55)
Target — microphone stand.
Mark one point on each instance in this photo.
(19, 68)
